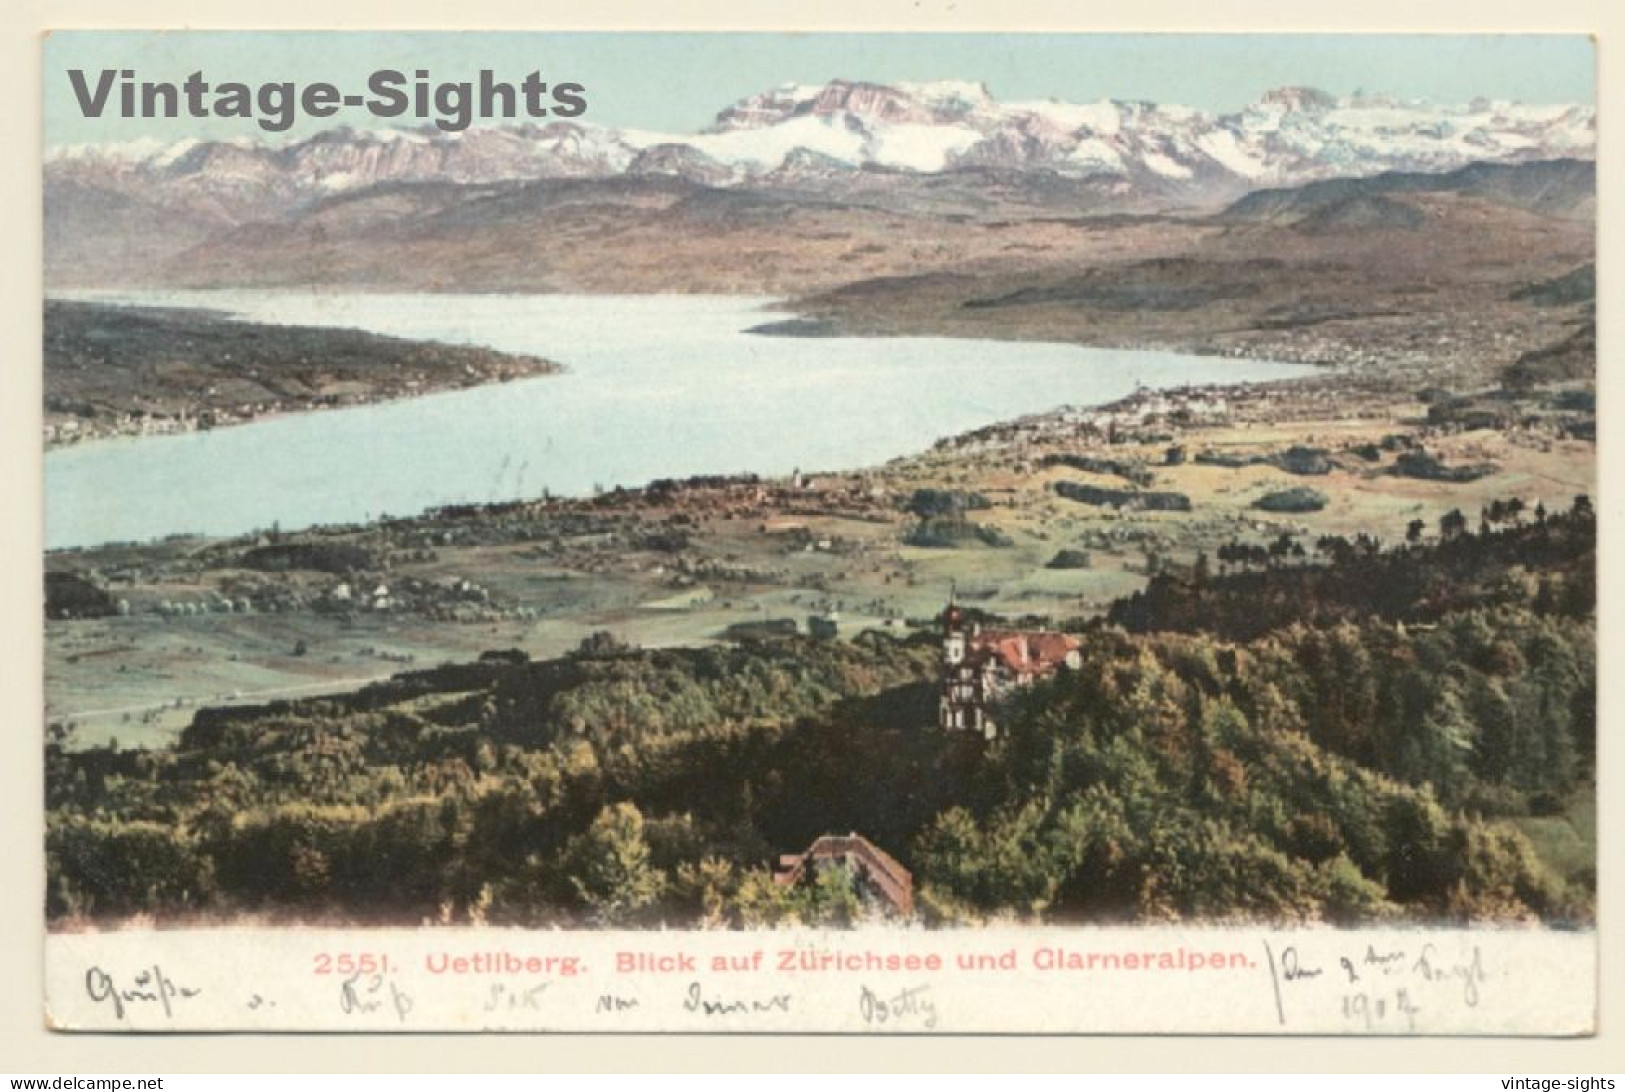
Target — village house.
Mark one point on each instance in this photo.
(877, 875)
(981, 666)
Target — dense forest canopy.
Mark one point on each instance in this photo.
(1360, 734)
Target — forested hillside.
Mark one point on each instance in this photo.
(1380, 733)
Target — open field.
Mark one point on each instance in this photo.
(216, 622)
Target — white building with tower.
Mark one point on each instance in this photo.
(981, 666)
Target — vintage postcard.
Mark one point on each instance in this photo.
(750, 532)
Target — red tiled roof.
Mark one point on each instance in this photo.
(1026, 653)
(894, 882)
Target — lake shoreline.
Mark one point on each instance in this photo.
(221, 619)
(117, 370)
(132, 428)
(65, 430)
(649, 388)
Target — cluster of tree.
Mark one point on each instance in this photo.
(1298, 499)
(1297, 459)
(1548, 562)
(1135, 472)
(1244, 555)
(931, 503)
(1373, 755)
(1069, 558)
(69, 595)
(1149, 499)
(1421, 464)
(327, 557)
(951, 532)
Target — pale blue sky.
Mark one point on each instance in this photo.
(678, 82)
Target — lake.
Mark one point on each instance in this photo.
(655, 387)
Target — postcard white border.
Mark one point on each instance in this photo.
(31, 1048)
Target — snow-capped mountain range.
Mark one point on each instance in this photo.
(798, 135)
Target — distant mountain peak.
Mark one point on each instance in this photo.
(949, 94)
(1299, 98)
(825, 134)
